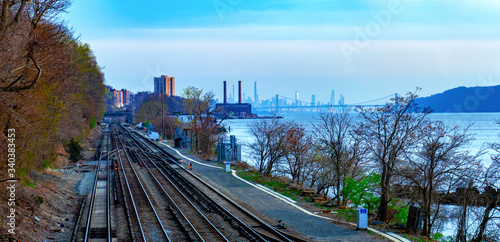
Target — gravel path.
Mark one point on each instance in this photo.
(275, 209)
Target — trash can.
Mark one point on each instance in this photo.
(228, 166)
(362, 218)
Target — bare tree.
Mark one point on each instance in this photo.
(194, 106)
(268, 146)
(19, 20)
(437, 164)
(387, 132)
(204, 125)
(489, 223)
(335, 138)
(297, 151)
(322, 175)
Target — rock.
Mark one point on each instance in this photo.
(377, 223)
(397, 226)
(330, 204)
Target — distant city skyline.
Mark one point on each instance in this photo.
(362, 49)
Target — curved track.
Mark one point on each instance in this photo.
(247, 224)
(148, 196)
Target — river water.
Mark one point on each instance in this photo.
(484, 130)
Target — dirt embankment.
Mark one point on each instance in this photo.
(47, 203)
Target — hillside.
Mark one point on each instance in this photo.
(464, 99)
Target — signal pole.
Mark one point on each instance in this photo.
(162, 114)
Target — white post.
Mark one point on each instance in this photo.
(362, 218)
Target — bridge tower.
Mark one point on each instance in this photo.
(277, 103)
(396, 100)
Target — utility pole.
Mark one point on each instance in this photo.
(162, 114)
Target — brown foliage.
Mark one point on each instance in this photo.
(51, 86)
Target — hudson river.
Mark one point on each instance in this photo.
(484, 128)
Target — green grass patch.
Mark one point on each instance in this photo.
(93, 123)
(45, 164)
(295, 195)
(29, 183)
(272, 183)
(39, 199)
(22, 172)
(347, 214)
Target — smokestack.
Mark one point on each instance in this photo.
(239, 91)
(225, 93)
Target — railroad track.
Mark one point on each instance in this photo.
(141, 193)
(149, 224)
(208, 197)
(98, 223)
(195, 223)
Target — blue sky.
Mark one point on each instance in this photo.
(361, 49)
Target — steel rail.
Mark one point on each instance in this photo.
(174, 160)
(219, 233)
(93, 197)
(131, 230)
(147, 197)
(243, 225)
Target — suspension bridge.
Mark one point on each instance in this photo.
(280, 102)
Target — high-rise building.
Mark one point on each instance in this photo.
(255, 96)
(296, 98)
(164, 84)
(332, 98)
(313, 100)
(118, 98)
(341, 100)
(126, 97)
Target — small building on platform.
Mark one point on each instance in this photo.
(228, 150)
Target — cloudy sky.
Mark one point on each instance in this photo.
(359, 48)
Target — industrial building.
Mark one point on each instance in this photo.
(233, 110)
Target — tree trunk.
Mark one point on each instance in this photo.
(462, 228)
(427, 212)
(382, 209)
(338, 188)
(484, 221)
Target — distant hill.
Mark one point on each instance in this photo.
(464, 99)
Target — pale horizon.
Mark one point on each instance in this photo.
(361, 49)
